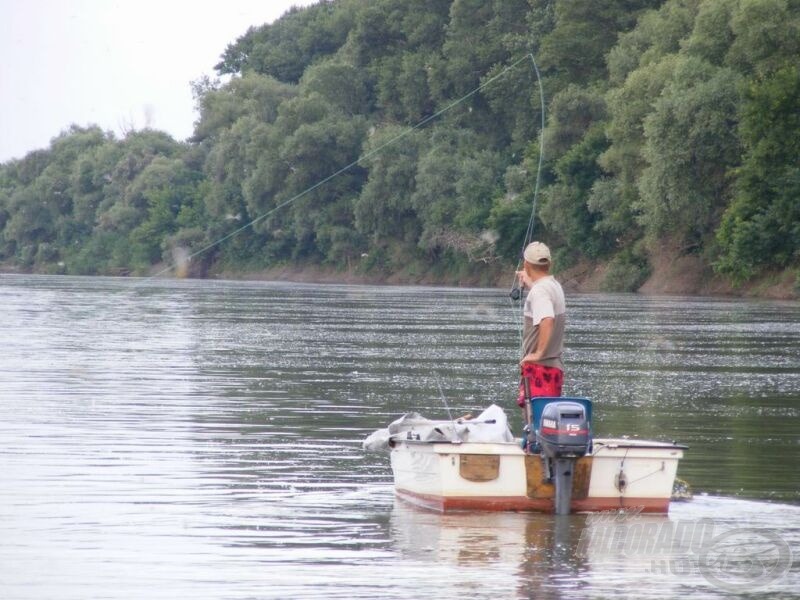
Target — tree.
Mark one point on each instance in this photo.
(253, 95)
(286, 47)
(167, 187)
(384, 209)
(456, 182)
(615, 197)
(565, 209)
(761, 227)
(691, 145)
(584, 32)
(342, 86)
(667, 120)
(766, 35)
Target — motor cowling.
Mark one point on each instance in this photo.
(564, 430)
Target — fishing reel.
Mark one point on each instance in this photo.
(515, 293)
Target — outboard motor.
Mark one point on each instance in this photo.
(563, 435)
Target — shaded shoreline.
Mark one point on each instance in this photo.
(681, 277)
(675, 278)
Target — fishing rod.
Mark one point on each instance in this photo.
(457, 435)
(444, 398)
(515, 294)
(516, 291)
(465, 420)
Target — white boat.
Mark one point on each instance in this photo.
(434, 468)
(619, 473)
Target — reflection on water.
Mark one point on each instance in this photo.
(619, 555)
(176, 439)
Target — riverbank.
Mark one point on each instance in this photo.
(686, 276)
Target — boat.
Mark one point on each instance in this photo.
(476, 465)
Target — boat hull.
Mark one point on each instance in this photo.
(618, 474)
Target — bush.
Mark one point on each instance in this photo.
(627, 271)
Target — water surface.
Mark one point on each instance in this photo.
(172, 439)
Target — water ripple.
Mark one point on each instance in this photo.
(202, 439)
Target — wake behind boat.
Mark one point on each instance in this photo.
(477, 464)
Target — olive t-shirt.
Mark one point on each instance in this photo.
(545, 299)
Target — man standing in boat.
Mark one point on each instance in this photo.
(542, 372)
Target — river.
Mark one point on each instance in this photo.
(202, 439)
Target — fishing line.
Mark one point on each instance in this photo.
(361, 158)
(516, 291)
(529, 231)
(444, 399)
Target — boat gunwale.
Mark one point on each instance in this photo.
(599, 444)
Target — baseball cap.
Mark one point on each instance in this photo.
(537, 253)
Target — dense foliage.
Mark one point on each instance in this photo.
(669, 124)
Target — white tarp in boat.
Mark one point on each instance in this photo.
(490, 426)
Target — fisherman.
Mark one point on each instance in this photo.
(541, 369)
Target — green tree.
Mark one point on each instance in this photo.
(384, 209)
(286, 47)
(343, 87)
(761, 227)
(512, 210)
(253, 95)
(691, 145)
(565, 209)
(574, 50)
(167, 187)
(766, 35)
(667, 120)
(456, 182)
(615, 197)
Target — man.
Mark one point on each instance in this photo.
(542, 372)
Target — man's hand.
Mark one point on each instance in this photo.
(532, 357)
(525, 280)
